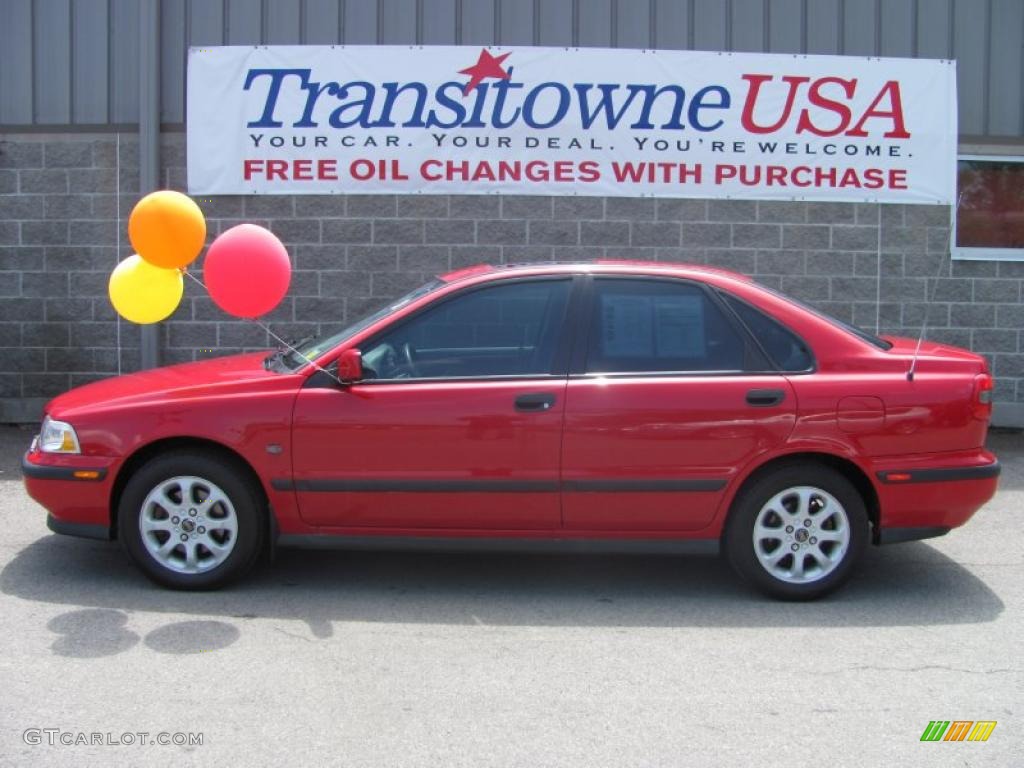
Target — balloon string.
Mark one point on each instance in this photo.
(273, 335)
(117, 233)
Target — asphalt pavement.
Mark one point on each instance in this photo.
(390, 659)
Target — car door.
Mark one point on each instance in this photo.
(456, 425)
(668, 398)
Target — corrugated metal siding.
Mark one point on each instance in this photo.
(73, 62)
(245, 23)
(123, 81)
(51, 61)
(16, 82)
(787, 26)
(90, 69)
(1005, 74)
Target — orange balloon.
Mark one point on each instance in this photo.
(167, 229)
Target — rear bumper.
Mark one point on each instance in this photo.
(930, 495)
(79, 505)
(941, 474)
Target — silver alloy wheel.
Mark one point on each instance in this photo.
(801, 534)
(188, 524)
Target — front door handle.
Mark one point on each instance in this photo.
(763, 398)
(535, 401)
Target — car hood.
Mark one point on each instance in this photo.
(221, 375)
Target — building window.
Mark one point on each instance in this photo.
(989, 221)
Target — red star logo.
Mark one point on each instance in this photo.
(486, 66)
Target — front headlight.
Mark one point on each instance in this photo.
(58, 437)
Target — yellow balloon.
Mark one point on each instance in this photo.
(143, 293)
(167, 229)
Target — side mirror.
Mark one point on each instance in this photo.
(350, 366)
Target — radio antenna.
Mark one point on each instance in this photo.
(935, 288)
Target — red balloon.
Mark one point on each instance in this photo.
(247, 271)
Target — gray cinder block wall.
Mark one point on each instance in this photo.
(63, 227)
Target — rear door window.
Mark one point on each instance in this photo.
(659, 326)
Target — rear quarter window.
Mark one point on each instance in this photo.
(785, 349)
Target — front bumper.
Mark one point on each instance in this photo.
(74, 489)
(82, 530)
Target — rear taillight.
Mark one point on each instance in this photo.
(981, 400)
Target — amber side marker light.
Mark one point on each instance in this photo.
(981, 403)
(898, 477)
(87, 474)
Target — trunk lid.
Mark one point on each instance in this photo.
(933, 350)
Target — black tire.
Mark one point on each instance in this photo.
(742, 552)
(243, 545)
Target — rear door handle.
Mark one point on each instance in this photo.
(763, 398)
(535, 401)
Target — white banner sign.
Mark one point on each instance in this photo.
(581, 121)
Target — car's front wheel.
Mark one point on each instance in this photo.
(798, 532)
(191, 520)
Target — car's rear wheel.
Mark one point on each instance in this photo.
(798, 532)
(191, 520)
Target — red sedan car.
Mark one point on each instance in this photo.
(611, 406)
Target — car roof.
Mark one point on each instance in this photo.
(599, 266)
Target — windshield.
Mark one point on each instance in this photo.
(860, 333)
(311, 349)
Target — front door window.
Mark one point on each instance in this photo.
(504, 330)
